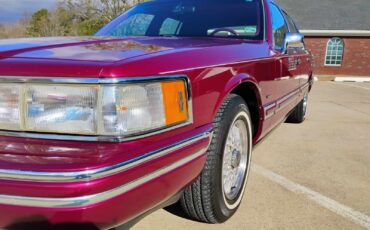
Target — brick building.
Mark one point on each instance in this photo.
(337, 32)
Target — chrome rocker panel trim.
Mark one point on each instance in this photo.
(19, 175)
(284, 102)
(98, 81)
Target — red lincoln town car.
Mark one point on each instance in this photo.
(162, 105)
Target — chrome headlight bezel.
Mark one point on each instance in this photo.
(100, 83)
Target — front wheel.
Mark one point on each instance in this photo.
(217, 193)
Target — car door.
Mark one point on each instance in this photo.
(301, 56)
(282, 88)
(287, 79)
(286, 63)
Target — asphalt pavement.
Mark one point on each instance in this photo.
(314, 175)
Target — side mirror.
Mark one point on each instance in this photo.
(293, 41)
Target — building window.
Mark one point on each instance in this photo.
(334, 52)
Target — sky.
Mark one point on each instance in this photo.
(13, 10)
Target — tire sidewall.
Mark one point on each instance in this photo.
(235, 108)
(304, 107)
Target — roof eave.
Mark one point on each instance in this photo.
(339, 33)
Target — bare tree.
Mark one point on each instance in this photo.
(15, 30)
(113, 8)
(70, 17)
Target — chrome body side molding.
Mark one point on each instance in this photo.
(100, 172)
(271, 109)
(82, 201)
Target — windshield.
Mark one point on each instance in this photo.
(190, 18)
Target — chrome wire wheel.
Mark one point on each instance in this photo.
(236, 160)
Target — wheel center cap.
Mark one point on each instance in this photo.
(235, 158)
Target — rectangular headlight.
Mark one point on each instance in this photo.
(62, 109)
(10, 113)
(138, 108)
(105, 110)
(132, 109)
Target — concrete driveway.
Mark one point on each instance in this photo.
(310, 176)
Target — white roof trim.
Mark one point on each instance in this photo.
(341, 33)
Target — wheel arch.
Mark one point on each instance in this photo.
(311, 80)
(246, 87)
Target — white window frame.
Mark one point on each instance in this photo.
(336, 51)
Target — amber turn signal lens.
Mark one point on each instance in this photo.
(175, 101)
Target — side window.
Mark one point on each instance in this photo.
(292, 27)
(279, 27)
(170, 27)
(136, 25)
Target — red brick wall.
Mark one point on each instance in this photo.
(356, 58)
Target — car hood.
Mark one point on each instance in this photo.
(104, 49)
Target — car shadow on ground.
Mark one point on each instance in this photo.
(177, 210)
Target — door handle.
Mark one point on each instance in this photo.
(298, 61)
